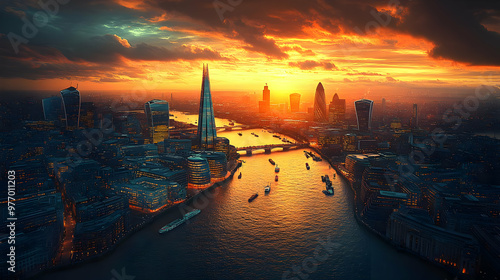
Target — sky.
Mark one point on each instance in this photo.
(357, 48)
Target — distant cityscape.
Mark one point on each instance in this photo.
(88, 174)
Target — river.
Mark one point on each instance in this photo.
(265, 239)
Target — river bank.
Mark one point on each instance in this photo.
(357, 215)
(136, 228)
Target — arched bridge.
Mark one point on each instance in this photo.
(268, 148)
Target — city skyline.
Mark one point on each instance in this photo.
(331, 139)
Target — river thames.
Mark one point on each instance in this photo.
(294, 232)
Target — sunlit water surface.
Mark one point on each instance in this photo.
(234, 239)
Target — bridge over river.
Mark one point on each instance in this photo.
(269, 148)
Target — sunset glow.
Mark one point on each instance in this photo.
(291, 46)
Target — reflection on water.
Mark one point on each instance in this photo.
(234, 239)
(193, 119)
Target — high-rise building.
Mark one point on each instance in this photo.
(157, 113)
(336, 110)
(320, 104)
(71, 103)
(383, 110)
(364, 109)
(88, 115)
(414, 117)
(198, 171)
(294, 102)
(265, 104)
(52, 108)
(206, 121)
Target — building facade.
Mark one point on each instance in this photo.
(364, 109)
(295, 102)
(320, 114)
(71, 104)
(157, 113)
(336, 110)
(206, 121)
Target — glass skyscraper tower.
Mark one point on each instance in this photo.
(71, 103)
(206, 122)
(364, 114)
(320, 104)
(157, 113)
(294, 102)
(52, 108)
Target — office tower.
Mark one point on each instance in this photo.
(88, 115)
(217, 163)
(414, 117)
(383, 111)
(71, 103)
(363, 109)
(206, 121)
(198, 171)
(157, 113)
(294, 102)
(265, 104)
(320, 104)
(336, 110)
(52, 108)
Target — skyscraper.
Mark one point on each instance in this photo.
(294, 102)
(157, 113)
(383, 111)
(336, 111)
(364, 114)
(88, 115)
(320, 104)
(265, 104)
(414, 117)
(206, 121)
(71, 103)
(52, 108)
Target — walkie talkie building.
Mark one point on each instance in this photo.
(364, 114)
(71, 104)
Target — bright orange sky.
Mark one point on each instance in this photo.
(354, 48)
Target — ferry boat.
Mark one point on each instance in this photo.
(179, 221)
(328, 191)
(267, 188)
(272, 162)
(315, 158)
(276, 169)
(239, 176)
(253, 197)
(276, 178)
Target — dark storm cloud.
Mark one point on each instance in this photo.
(74, 42)
(110, 48)
(455, 27)
(83, 31)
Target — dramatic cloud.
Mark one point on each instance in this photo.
(116, 41)
(310, 64)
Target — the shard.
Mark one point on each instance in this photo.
(206, 122)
